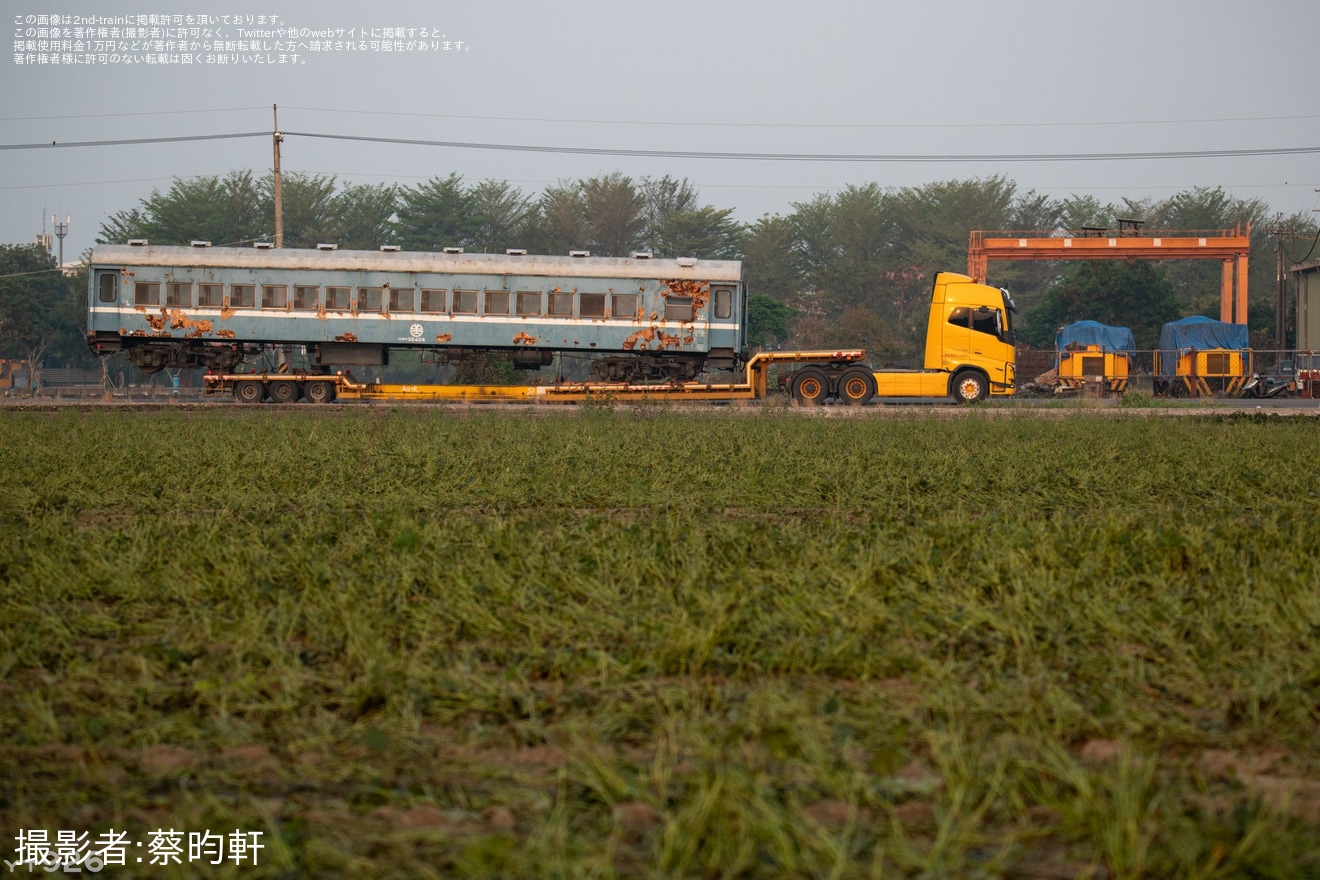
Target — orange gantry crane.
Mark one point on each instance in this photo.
(1231, 246)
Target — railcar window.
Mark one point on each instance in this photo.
(561, 304)
(591, 305)
(336, 298)
(723, 302)
(529, 302)
(306, 297)
(146, 293)
(624, 306)
(678, 308)
(108, 285)
(274, 296)
(497, 302)
(210, 296)
(465, 302)
(369, 299)
(179, 293)
(242, 296)
(401, 299)
(433, 300)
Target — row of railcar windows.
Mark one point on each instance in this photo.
(526, 303)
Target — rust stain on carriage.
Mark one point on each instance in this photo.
(320, 311)
(180, 321)
(347, 337)
(225, 334)
(157, 322)
(444, 337)
(524, 339)
(226, 313)
(660, 338)
(698, 290)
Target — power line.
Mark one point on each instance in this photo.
(711, 154)
(811, 125)
(129, 141)
(116, 115)
(824, 157)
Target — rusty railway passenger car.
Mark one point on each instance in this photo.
(170, 306)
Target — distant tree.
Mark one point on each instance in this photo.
(365, 213)
(1078, 212)
(708, 233)
(39, 310)
(1133, 294)
(436, 214)
(222, 210)
(768, 321)
(771, 259)
(504, 215)
(562, 225)
(310, 208)
(664, 197)
(615, 214)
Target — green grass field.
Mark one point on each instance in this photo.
(644, 642)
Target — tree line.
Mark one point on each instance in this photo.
(851, 268)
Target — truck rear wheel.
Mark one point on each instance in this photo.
(810, 387)
(249, 392)
(969, 387)
(856, 386)
(320, 392)
(283, 391)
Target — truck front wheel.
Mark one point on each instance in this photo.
(810, 387)
(969, 387)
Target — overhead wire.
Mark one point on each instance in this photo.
(709, 154)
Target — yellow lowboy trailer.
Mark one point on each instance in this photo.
(289, 388)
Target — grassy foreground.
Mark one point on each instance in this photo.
(642, 642)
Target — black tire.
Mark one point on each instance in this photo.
(856, 386)
(969, 386)
(320, 392)
(284, 391)
(249, 392)
(810, 387)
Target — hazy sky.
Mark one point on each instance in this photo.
(923, 78)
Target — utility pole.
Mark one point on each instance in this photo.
(61, 230)
(279, 196)
(1280, 291)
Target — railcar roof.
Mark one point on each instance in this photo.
(297, 259)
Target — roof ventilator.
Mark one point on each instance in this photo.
(390, 248)
(322, 246)
(197, 242)
(137, 242)
(453, 250)
(579, 253)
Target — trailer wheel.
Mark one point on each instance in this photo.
(320, 392)
(810, 387)
(249, 392)
(856, 387)
(284, 392)
(969, 387)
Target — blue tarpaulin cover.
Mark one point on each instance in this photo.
(1177, 338)
(1085, 333)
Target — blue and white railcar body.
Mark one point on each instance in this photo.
(204, 306)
